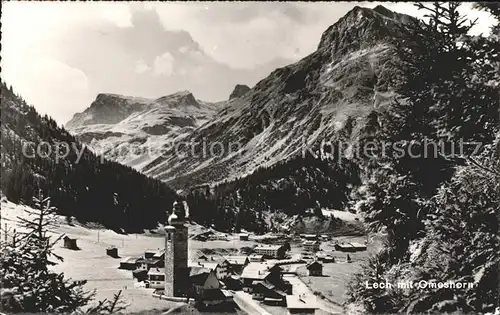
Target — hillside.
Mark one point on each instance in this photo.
(352, 73)
(299, 186)
(37, 154)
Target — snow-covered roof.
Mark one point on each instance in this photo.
(311, 242)
(255, 271)
(237, 260)
(210, 265)
(269, 247)
(156, 271)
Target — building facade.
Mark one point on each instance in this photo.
(156, 277)
(273, 251)
(311, 246)
(315, 269)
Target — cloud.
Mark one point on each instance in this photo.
(164, 65)
(141, 66)
(245, 35)
(60, 55)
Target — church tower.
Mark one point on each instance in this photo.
(176, 251)
(169, 260)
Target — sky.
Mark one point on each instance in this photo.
(60, 55)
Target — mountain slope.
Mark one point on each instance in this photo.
(296, 107)
(133, 130)
(81, 184)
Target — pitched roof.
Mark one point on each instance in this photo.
(237, 260)
(256, 256)
(198, 275)
(257, 271)
(265, 284)
(270, 247)
(159, 253)
(195, 271)
(314, 264)
(210, 265)
(131, 260)
(149, 261)
(351, 245)
(311, 243)
(199, 255)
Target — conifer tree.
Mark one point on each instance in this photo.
(27, 283)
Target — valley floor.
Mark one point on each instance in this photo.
(91, 263)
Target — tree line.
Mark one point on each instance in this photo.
(294, 186)
(92, 189)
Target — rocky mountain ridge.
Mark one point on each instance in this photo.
(295, 108)
(298, 106)
(133, 130)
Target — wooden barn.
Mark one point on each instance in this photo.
(315, 269)
(70, 243)
(112, 252)
(129, 263)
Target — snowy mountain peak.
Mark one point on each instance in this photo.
(179, 100)
(361, 27)
(108, 109)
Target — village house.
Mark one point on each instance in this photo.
(215, 297)
(203, 236)
(233, 283)
(140, 274)
(311, 246)
(271, 251)
(301, 304)
(148, 263)
(309, 237)
(159, 254)
(156, 278)
(70, 243)
(254, 272)
(219, 265)
(218, 237)
(150, 253)
(256, 258)
(237, 263)
(244, 236)
(112, 252)
(268, 293)
(324, 257)
(315, 269)
(129, 263)
(350, 247)
(202, 280)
